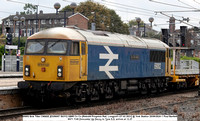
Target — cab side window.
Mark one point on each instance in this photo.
(83, 48)
(74, 48)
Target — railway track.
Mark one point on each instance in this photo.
(28, 110)
(157, 107)
(15, 112)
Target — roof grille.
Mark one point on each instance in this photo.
(100, 33)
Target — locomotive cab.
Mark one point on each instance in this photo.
(53, 61)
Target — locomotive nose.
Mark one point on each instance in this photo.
(45, 68)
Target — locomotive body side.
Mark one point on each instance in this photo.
(116, 56)
(111, 62)
(86, 64)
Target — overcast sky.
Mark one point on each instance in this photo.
(126, 9)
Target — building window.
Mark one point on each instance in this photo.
(29, 22)
(55, 21)
(29, 32)
(11, 22)
(4, 22)
(23, 32)
(17, 22)
(34, 21)
(50, 21)
(62, 21)
(43, 21)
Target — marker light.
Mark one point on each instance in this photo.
(27, 70)
(60, 71)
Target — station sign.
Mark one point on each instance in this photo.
(11, 46)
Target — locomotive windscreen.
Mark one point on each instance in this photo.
(35, 47)
(57, 47)
(46, 47)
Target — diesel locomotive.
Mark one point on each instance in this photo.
(83, 64)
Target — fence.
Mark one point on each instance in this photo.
(11, 63)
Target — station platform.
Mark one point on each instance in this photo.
(11, 74)
(8, 79)
(9, 90)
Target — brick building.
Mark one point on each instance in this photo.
(43, 21)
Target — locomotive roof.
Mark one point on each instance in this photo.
(99, 38)
(58, 33)
(114, 39)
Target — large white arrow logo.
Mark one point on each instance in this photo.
(107, 68)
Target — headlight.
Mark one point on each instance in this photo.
(60, 71)
(27, 70)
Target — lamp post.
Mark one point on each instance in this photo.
(57, 6)
(138, 21)
(93, 24)
(151, 19)
(73, 5)
(16, 19)
(36, 25)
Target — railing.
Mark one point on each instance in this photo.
(185, 71)
(11, 63)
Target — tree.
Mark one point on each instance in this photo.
(135, 23)
(0, 30)
(29, 9)
(116, 25)
(152, 34)
(96, 13)
(105, 19)
(67, 8)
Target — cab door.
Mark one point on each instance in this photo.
(83, 60)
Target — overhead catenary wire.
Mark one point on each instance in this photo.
(153, 16)
(187, 4)
(115, 4)
(20, 2)
(196, 1)
(170, 4)
(138, 13)
(127, 6)
(180, 11)
(70, 1)
(5, 12)
(177, 19)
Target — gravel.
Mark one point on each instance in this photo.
(186, 106)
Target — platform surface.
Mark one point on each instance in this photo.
(10, 74)
(7, 82)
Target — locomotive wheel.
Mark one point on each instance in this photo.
(153, 87)
(144, 89)
(80, 94)
(161, 86)
(178, 86)
(94, 94)
(108, 91)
